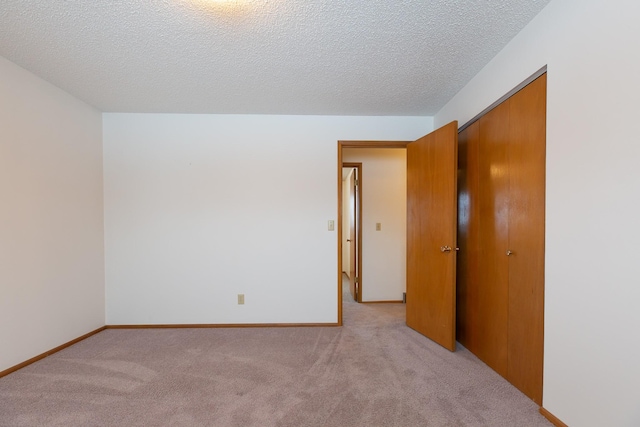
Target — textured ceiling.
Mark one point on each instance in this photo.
(342, 57)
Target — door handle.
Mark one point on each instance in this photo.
(509, 253)
(348, 240)
(445, 248)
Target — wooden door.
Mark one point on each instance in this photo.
(431, 235)
(502, 293)
(352, 235)
(483, 282)
(493, 228)
(527, 152)
(468, 328)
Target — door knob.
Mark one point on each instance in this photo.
(445, 248)
(509, 253)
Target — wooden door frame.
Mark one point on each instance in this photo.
(341, 146)
(358, 225)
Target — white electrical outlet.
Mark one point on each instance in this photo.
(240, 299)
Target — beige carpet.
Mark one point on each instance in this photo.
(374, 371)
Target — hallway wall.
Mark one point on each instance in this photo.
(384, 201)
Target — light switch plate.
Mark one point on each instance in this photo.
(331, 225)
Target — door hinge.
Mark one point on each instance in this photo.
(357, 280)
(356, 182)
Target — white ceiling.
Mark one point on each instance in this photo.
(339, 57)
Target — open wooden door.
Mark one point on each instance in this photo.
(353, 259)
(353, 242)
(353, 235)
(431, 235)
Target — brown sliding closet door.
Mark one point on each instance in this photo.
(493, 230)
(467, 295)
(527, 150)
(500, 289)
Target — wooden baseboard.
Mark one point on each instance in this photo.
(552, 418)
(382, 302)
(49, 353)
(225, 325)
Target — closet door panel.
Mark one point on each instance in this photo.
(527, 131)
(493, 214)
(467, 288)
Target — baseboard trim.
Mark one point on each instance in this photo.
(382, 302)
(225, 325)
(50, 352)
(552, 418)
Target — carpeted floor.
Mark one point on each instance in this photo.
(374, 371)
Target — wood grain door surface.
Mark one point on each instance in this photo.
(493, 229)
(527, 154)
(501, 238)
(468, 327)
(352, 235)
(431, 235)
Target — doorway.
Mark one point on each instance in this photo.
(343, 220)
(431, 202)
(381, 231)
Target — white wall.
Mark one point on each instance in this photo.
(592, 350)
(384, 200)
(200, 208)
(51, 217)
